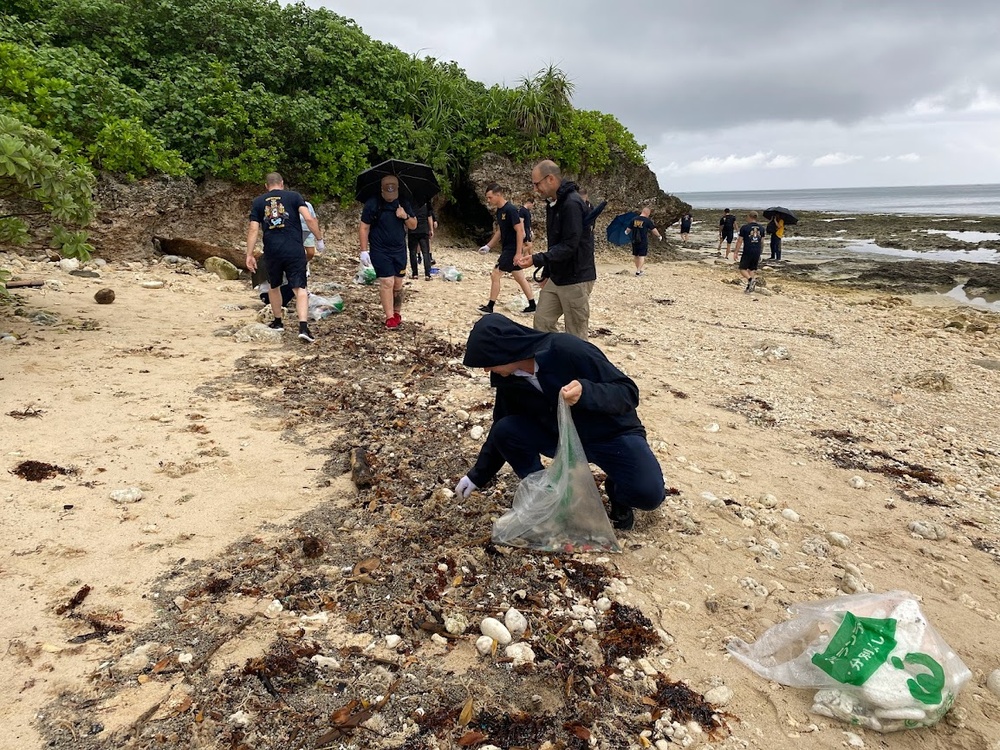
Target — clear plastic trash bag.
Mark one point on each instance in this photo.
(365, 275)
(877, 660)
(452, 274)
(324, 307)
(559, 509)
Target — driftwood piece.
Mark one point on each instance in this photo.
(200, 251)
(34, 283)
(361, 472)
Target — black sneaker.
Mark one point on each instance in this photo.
(485, 309)
(529, 309)
(277, 325)
(752, 284)
(306, 335)
(622, 517)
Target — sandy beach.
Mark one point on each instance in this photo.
(820, 440)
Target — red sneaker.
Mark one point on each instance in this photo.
(398, 317)
(392, 323)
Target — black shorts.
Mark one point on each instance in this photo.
(727, 236)
(749, 260)
(640, 251)
(389, 263)
(506, 262)
(292, 266)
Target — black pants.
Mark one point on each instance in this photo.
(419, 243)
(775, 247)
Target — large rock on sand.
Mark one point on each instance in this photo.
(222, 268)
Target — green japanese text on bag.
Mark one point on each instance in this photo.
(877, 661)
(559, 508)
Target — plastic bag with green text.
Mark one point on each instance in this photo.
(875, 657)
(559, 508)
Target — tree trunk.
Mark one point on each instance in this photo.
(200, 251)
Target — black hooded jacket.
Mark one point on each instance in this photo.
(569, 259)
(606, 408)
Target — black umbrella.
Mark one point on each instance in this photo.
(784, 213)
(416, 181)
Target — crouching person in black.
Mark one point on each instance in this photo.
(529, 369)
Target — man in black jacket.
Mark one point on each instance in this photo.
(530, 369)
(569, 261)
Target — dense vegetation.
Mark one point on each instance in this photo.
(234, 88)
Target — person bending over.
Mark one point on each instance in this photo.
(529, 370)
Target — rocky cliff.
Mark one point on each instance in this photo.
(139, 218)
(627, 187)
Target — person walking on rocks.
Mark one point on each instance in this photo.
(382, 232)
(279, 214)
(685, 226)
(727, 225)
(641, 227)
(776, 228)
(568, 264)
(529, 370)
(509, 234)
(751, 240)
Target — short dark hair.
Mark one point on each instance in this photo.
(725, 210)
(494, 187)
(546, 167)
(273, 178)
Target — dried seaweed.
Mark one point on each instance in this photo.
(629, 633)
(684, 705)
(37, 471)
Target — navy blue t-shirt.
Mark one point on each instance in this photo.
(753, 237)
(508, 217)
(525, 213)
(277, 212)
(727, 223)
(388, 232)
(641, 227)
(686, 223)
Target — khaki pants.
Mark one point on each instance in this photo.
(571, 301)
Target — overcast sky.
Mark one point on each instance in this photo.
(797, 95)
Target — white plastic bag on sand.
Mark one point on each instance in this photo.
(876, 658)
(559, 508)
(323, 307)
(452, 274)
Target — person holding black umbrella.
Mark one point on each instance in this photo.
(384, 221)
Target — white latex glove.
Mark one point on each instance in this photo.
(366, 258)
(484, 249)
(465, 487)
(660, 238)
(320, 246)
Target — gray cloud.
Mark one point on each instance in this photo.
(708, 83)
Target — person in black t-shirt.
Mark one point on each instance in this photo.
(727, 225)
(642, 225)
(751, 240)
(419, 240)
(509, 234)
(279, 213)
(685, 227)
(385, 220)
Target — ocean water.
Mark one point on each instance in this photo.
(941, 200)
